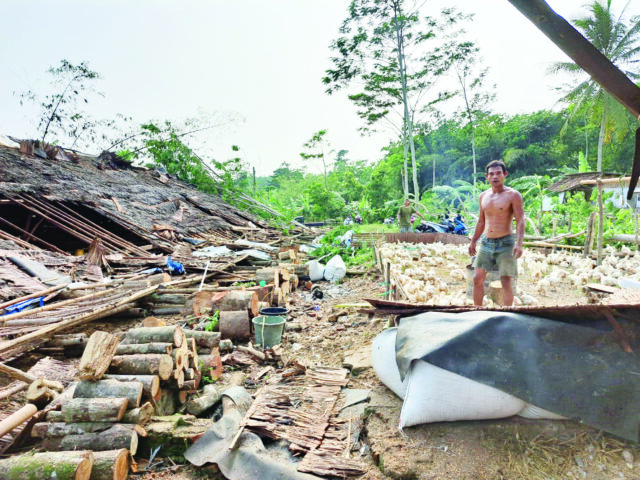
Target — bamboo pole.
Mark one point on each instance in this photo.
(45, 332)
(33, 295)
(76, 225)
(130, 246)
(20, 242)
(72, 229)
(37, 239)
(600, 222)
(17, 418)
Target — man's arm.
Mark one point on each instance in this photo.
(518, 213)
(479, 228)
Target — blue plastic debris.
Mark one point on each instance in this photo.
(18, 307)
(175, 268)
(152, 270)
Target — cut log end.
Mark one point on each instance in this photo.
(112, 464)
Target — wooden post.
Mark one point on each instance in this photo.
(588, 240)
(600, 222)
(635, 221)
(387, 279)
(553, 230)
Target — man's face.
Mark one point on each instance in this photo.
(495, 176)
(406, 203)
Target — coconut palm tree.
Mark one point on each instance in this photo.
(619, 41)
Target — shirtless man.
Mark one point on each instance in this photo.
(499, 248)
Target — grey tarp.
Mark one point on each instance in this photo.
(573, 370)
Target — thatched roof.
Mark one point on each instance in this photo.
(572, 181)
(137, 199)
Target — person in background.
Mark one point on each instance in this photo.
(404, 216)
(499, 248)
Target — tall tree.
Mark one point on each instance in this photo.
(465, 60)
(62, 114)
(382, 48)
(316, 148)
(619, 41)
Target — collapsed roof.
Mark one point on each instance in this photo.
(133, 209)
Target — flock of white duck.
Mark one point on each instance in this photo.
(421, 271)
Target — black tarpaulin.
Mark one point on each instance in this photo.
(572, 370)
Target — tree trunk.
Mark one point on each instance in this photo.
(172, 334)
(48, 465)
(61, 429)
(238, 300)
(171, 299)
(132, 390)
(269, 275)
(97, 355)
(210, 395)
(68, 340)
(94, 409)
(117, 437)
(135, 348)
(235, 325)
(603, 128)
(150, 383)
(146, 364)
(111, 465)
(204, 339)
(140, 415)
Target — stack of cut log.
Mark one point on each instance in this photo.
(284, 279)
(150, 372)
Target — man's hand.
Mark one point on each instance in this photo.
(472, 249)
(517, 251)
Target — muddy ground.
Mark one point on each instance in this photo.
(507, 449)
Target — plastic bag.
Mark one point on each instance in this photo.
(175, 268)
(316, 270)
(335, 269)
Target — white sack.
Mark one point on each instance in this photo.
(335, 269)
(383, 360)
(316, 270)
(437, 395)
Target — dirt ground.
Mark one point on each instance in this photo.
(507, 449)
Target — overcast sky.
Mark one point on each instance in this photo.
(255, 65)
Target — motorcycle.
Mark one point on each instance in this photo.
(455, 226)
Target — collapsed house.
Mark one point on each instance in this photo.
(84, 238)
(63, 201)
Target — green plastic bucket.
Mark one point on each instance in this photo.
(268, 330)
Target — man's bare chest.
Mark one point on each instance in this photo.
(497, 204)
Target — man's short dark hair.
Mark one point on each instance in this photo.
(496, 163)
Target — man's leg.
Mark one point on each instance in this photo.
(478, 285)
(507, 291)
